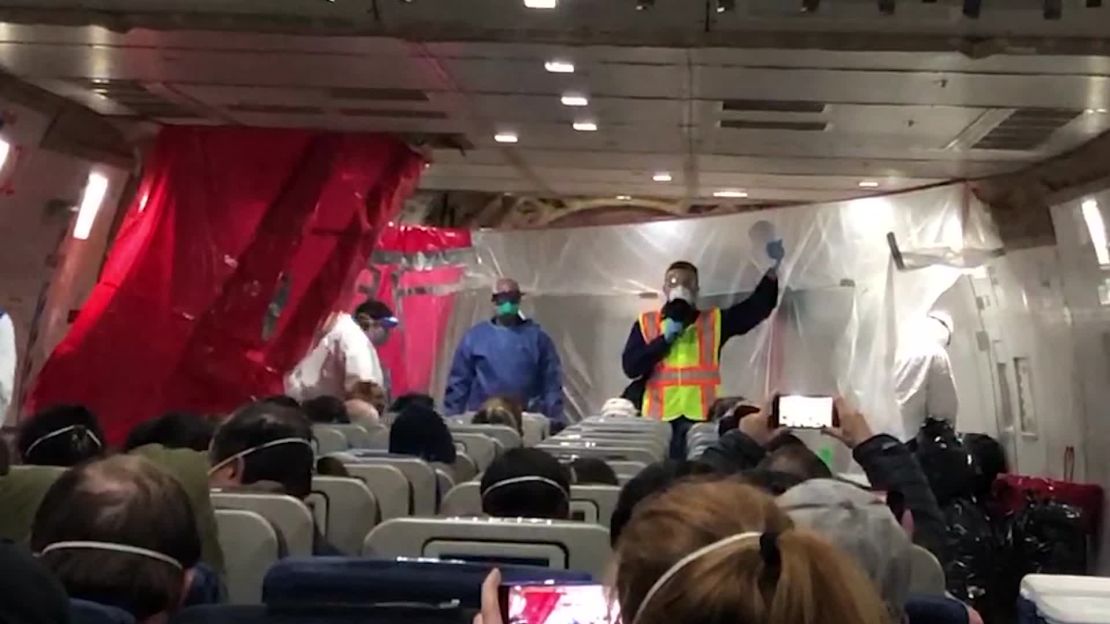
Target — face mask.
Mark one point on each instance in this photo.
(681, 292)
(508, 308)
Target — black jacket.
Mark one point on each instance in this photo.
(889, 466)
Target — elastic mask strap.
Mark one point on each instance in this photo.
(112, 547)
(64, 430)
(687, 560)
(532, 479)
(255, 449)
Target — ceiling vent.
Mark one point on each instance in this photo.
(378, 95)
(134, 96)
(275, 109)
(437, 140)
(392, 113)
(1026, 129)
(793, 126)
(772, 106)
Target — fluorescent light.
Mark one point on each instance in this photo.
(95, 190)
(5, 149)
(559, 67)
(571, 99)
(541, 4)
(1097, 228)
(506, 137)
(585, 126)
(731, 194)
(624, 197)
(868, 184)
(662, 176)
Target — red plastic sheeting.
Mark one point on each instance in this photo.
(223, 217)
(414, 239)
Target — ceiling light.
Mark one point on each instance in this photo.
(1097, 228)
(95, 190)
(1092, 111)
(585, 126)
(726, 6)
(541, 4)
(731, 194)
(1053, 9)
(5, 149)
(624, 197)
(662, 176)
(810, 6)
(868, 184)
(506, 137)
(972, 8)
(559, 67)
(644, 5)
(575, 100)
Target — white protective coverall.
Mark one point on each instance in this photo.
(342, 358)
(924, 386)
(7, 363)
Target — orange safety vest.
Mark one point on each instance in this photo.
(688, 380)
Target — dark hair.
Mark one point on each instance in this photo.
(798, 460)
(501, 411)
(255, 425)
(283, 400)
(683, 265)
(331, 467)
(411, 399)
(592, 471)
(63, 435)
(783, 440)
(722, 406)
(528, 499)
(773, 482)
(421, 432)
(654, 479)
(989, 459)
(326, 410)
(121, 500)
(173, 430)
(731, 419)
(374, 309)
(29, 593)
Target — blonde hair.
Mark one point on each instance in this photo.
(500, 410)
(801, 580)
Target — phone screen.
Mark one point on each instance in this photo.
(559, 604)
(804, 412)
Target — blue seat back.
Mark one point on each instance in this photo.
(358, 581)
(319, 614)
(935, 610)
(85, 612)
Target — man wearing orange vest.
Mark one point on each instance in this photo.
(676, 351)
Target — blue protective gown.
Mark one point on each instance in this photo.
(518, 361)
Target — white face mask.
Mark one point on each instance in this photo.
(681, 292)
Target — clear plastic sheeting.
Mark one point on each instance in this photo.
(843, 301)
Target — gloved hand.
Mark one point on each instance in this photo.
(776, 251)
(672, 329)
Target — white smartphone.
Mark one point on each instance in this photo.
(797, 411)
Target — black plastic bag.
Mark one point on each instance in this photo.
(945, 461)
(974, 548)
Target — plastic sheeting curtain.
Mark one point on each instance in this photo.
(236, 247)
(842, 308)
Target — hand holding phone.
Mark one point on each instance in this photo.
(557, 604)
(796, 411)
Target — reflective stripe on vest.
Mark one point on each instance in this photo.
(687, 381)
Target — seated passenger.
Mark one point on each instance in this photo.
(132, 546)
(173, 430)
(526, 483)
(592, 471)
(653, 480)
(620, 407)
(360, 412)
(29, 593)
(64, 435)
(326, 410)
(500, 411)
(862, 525)
(794, 457)
(703, 553)
(421, 432)
(264, 442)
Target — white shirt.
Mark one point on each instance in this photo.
(924, 387)
(7, 363)
(341, 359)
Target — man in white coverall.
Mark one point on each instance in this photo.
(924, 386)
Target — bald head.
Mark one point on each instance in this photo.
(506, 285)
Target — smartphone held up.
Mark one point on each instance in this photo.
(549, 603)
(796, 411)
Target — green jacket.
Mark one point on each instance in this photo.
(23, 488)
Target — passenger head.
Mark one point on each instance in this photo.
(283, 400)
(860, 524)
(406, 401)
(29, 593)
(722, 406)
(264, 442)
(731, 555)
(131, 545)
(731, 419)
(362, 413)
(173, 430)
(619, 407)
(526, 483)
(65, 435)
(421, 432)
(771, 482)
(989, 459)
(376, 319)
(326, 410)
(798, 460)
(501, 411)
(592, 471)
(652, 480)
